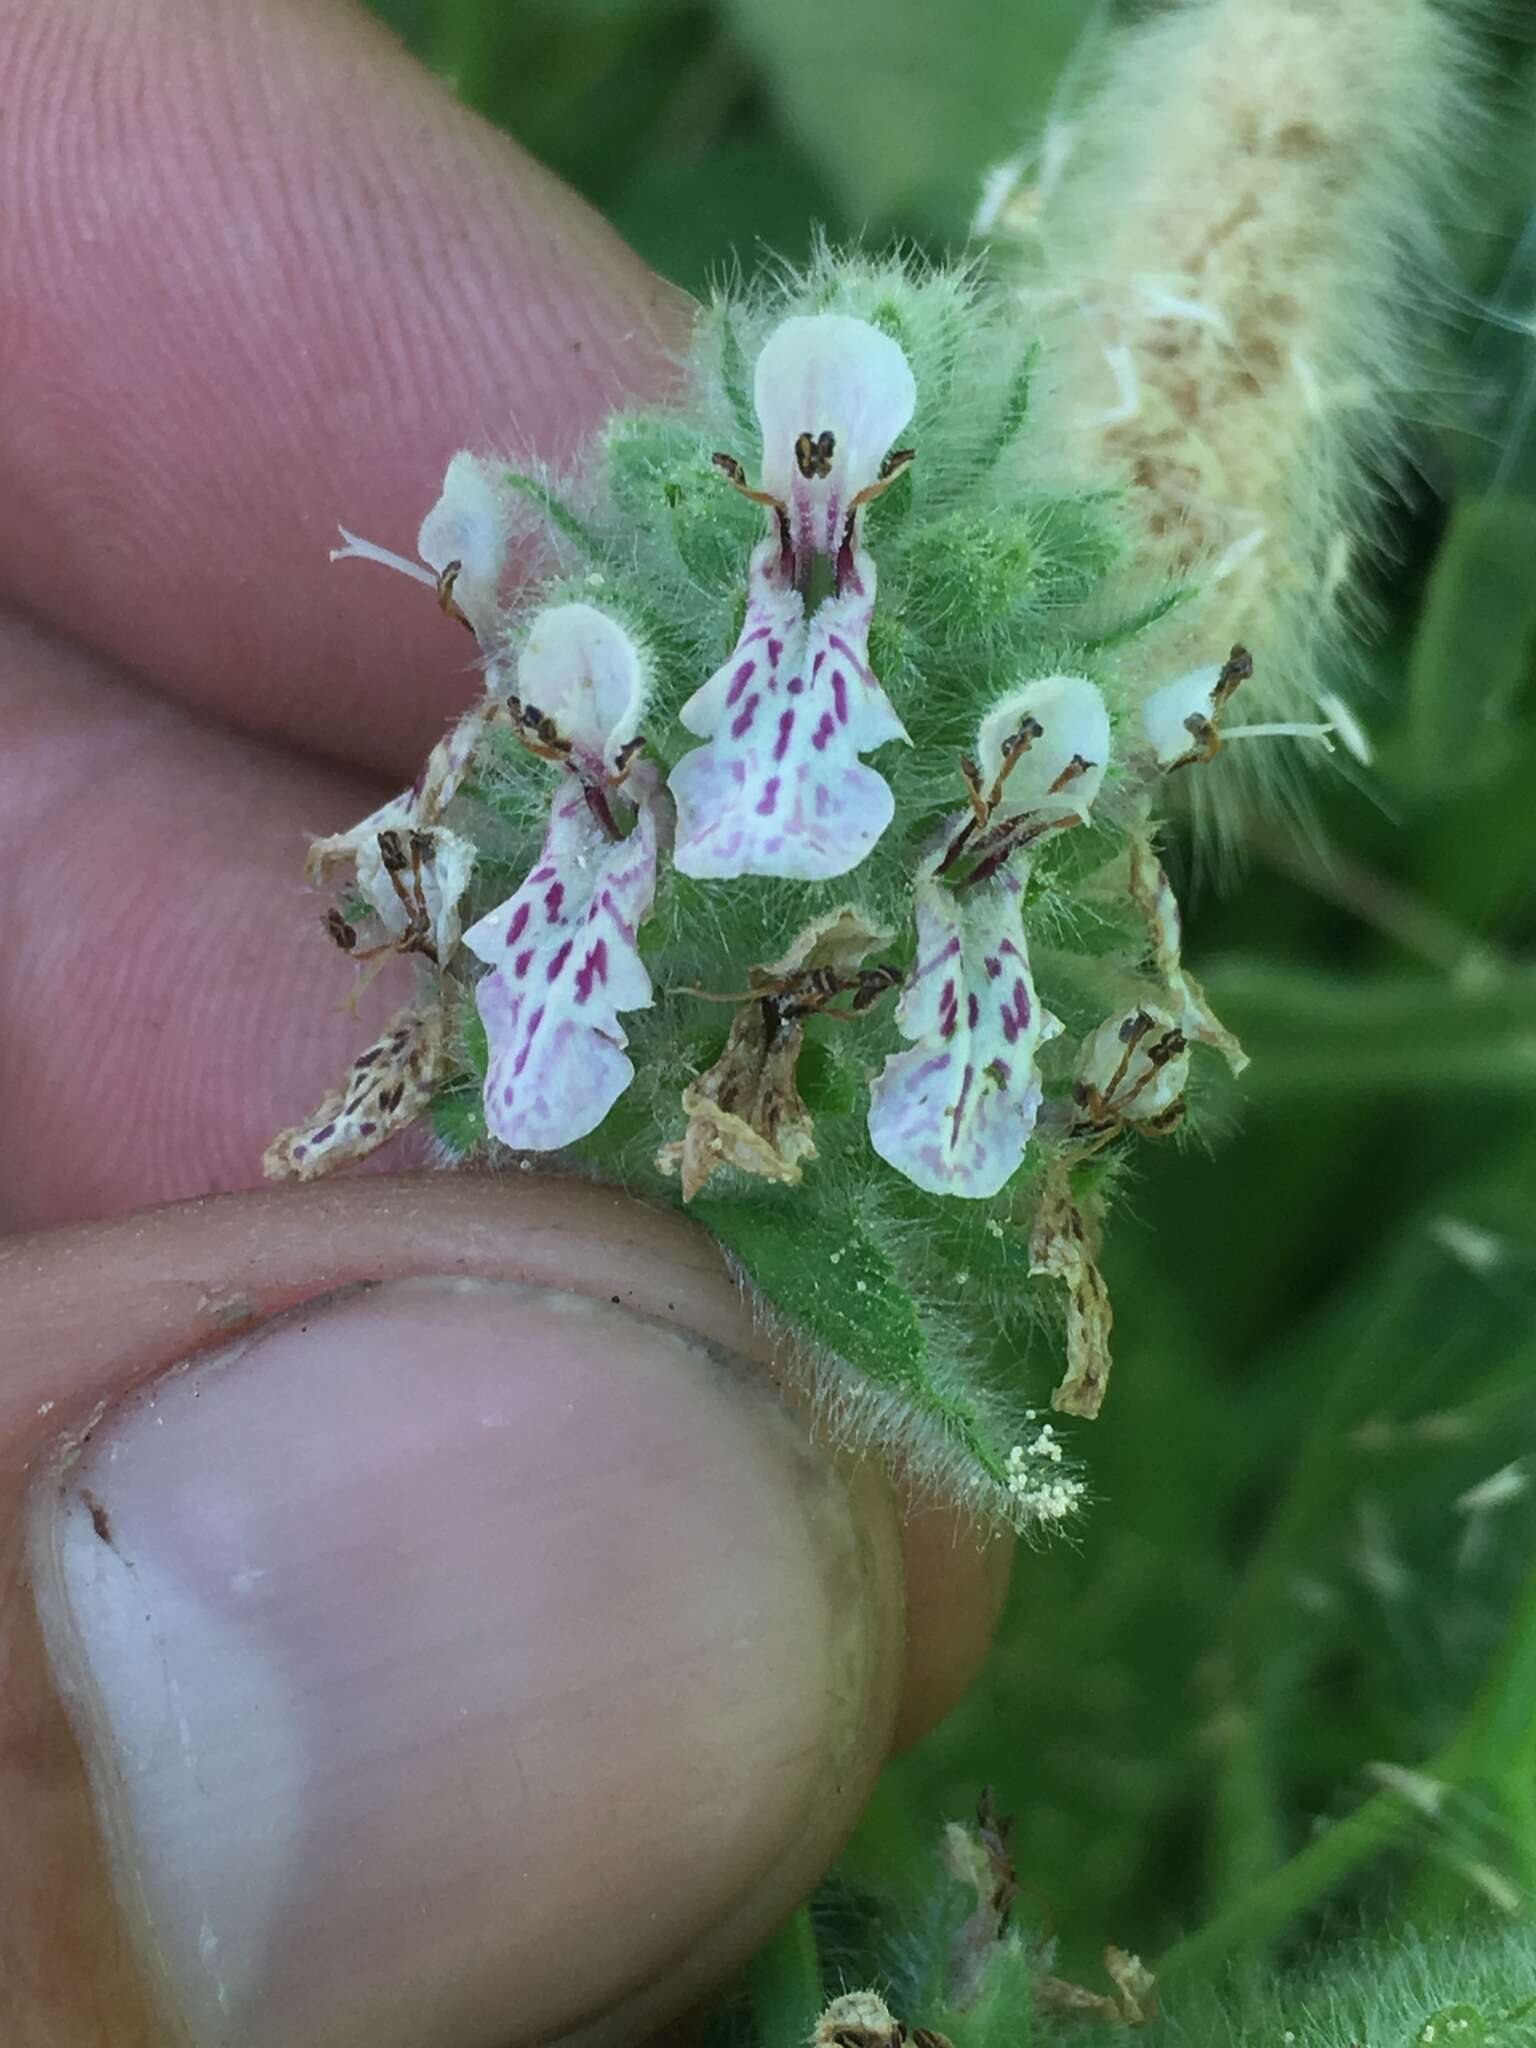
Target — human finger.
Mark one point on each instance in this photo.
(540, 1610)
(262, 273)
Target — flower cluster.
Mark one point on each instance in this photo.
(904, 800)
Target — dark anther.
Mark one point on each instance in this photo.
(814, 452)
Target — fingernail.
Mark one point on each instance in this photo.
(447, 1657)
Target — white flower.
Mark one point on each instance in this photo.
(956, 1112)
(780, 789)
(463, 541)
(562, 948)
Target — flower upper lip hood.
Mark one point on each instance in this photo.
(1064, 725)
(581, 669)
(832, 394)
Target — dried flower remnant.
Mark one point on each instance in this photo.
(980, 1858)
(1064, 1245)
(1153, 895)
(779, 788)
(862, 2019)
(1133, 2002)
(746, 1112)
(562, 949)
(386, 1089)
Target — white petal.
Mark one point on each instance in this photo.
(445, 870)
(828, 374)
(1125, 1077)
(395, 816)
(564, 964)
(581, 668)
(780, 788)
(470, 524)
(1063, 769)
(956, 1112)
(1166, 714)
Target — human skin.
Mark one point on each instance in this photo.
(260, 272)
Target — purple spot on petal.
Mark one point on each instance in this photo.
(994, 966)
(522, 1059)
(794, 686)
(594, 968)
(786, 727)
(520, 964)
(519, 920)
(972, 1010)
(840, 696)
(770, 797)
(557, 963)
(744, 717)
(824, 731)
(949, 1011)
(553, 898)
(821, 655)
(739, 682)
(1015, 1013)
(775, 649)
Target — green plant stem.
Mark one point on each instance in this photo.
(1265, 1909)
(1494, 1748)
(785, 1984)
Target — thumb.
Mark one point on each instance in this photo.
(466, 1646)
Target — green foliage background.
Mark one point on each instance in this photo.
(1326, 1333)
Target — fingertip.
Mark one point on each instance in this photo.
(265, 274)
(957, 1577)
